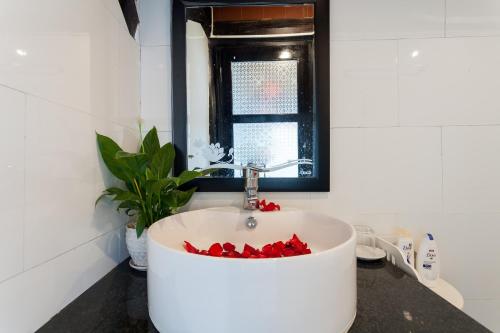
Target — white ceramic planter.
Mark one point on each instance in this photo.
(137, 247)
(189, 293)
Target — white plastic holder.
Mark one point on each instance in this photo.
(441, 287)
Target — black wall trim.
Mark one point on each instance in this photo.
(129, 10)
(321, 102)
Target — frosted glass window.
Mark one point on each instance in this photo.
(266, 144)
(264, 87)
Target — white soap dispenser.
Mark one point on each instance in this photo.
(428, 260)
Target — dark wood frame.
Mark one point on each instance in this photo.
(321, 103)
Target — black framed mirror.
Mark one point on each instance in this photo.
(251, 85)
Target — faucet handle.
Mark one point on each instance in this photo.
(283, 165)
(254, 167)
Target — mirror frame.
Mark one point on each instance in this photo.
(321, 101)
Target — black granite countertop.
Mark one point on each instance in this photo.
(388, 301)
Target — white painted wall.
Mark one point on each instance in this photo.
(415, 127)
(67, 69)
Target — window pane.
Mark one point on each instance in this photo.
(264, 87)
(266, 144)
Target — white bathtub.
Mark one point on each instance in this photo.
(190, 293)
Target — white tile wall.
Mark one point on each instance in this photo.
(386, 19)
(450, 81)
(115, 10)
(402, 170)
(364, 85)
(471, 162)
(474, 273)
(61, 79)
(383, 171)
(58, 133)
(487, 310)
(156, 87)
(472, 18)
(32, 298)
(155, 22)
(414, 133)
(13, 105)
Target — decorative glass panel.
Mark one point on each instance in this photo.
(264, 87)
(266, 144)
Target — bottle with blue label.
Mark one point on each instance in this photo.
(428, 260)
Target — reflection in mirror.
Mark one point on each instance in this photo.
(250, 87)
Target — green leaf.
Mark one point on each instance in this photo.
(157, 186)
(109, 192)
(108, 149)
(100, 198)
(140, 225)
(114, 190)
(151, 144)
(149, 174)
(126, 195)
(128, 204)
(183, 197)
(133, 164)
(187, 176)
(170, 199)
(163, 160)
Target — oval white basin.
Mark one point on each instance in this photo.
(190, 293)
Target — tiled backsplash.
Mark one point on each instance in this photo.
(415, 127)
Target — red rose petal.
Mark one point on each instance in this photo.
(229, 247)
(293, 247)
(250, 249)
(268, 207)
(267, 250)
(190, 248)
(215, 250)
(280, 245)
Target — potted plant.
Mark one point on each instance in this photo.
(149, 193)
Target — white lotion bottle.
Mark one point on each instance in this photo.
(405, 244)
(428, 260)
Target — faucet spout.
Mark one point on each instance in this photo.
(251, 199)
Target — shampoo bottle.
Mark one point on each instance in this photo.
(428, 261)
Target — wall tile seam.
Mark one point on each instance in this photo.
(141, 119)
(479, 212)
(442, 170)
(155, 46)
(490, 299)
(398, 76)
(413, 126)
(59, 104)
(25, 155)
(416, 38)
(445, 27)
(63, 253)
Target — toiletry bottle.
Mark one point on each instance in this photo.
(405, 244)
(428, 261)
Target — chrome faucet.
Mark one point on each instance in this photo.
(251, 173)
(251, 199)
